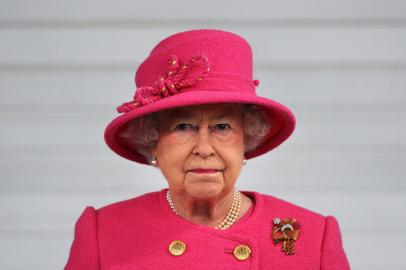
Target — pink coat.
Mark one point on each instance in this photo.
(136, 233)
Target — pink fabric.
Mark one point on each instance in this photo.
(135, 234)
(229, 56)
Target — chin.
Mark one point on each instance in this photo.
(205, 190)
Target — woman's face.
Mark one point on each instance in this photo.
(200, 149)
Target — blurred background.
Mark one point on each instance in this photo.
(339, 65)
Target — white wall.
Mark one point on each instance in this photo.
(66, 65)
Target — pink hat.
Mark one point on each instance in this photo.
(195, 67)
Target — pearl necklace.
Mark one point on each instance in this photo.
(232, 214)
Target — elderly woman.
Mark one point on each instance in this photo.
(195, 116)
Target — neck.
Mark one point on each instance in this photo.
(209, 211)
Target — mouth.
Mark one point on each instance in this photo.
(204, 171)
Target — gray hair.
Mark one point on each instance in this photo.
(142, 134)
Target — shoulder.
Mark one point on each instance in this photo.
(312, 224)
(141, 202)
(320, 238)
(133, 206)
(319, 232)
(121, 215)
(275, 205)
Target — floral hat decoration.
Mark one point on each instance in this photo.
(195, 67)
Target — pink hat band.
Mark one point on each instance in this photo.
(198, 67)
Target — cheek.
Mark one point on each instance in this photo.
(233, 156)
(170, 155)
(165, 146)
(236, 145)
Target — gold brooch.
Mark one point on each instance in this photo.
(286, 231)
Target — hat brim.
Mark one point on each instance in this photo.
(282, 119)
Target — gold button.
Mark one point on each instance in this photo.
(177, 248)
(242, 252)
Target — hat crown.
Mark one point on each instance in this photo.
(229, 59)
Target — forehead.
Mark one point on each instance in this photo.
(211, 111)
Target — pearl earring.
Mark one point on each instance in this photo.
(244, 161)
(153, 161)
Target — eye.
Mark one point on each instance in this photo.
(222, 127)
(183, 127)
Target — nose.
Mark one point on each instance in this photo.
(203, 146)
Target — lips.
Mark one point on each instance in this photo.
(204, 170)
